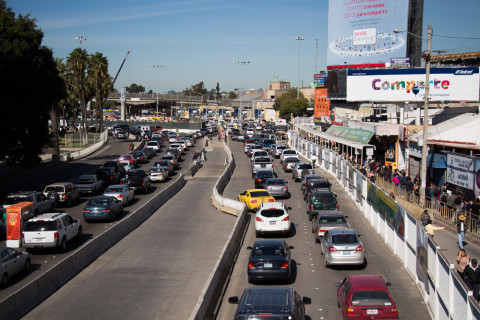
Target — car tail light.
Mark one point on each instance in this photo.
(120, 196)
(284, 188)
(271, 200)
(86, 210)
(259, 219)
(253, 201)
(55, 235)
(258, 179)
(322, 230)
(64, 196)
(336, 206)
(91, 187)
(250, 265)
(350, 312)
(23, 235)
(359, 248)
(286, 219)
(311, 207)
(143, 183)
(285, 265)
(332, 249)
(313, 171)
(105, 210)
(393, 311)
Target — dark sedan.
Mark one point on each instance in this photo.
(141, 157)
(269, 260)
(102, 208)
(261, 178)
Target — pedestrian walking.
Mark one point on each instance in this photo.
(462, 262)
(472, 277)
(461, 229)
(425, 218)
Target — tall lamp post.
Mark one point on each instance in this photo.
(427, 56)
(156, 66)
(81, 38)
(299, 38)
(241, 63)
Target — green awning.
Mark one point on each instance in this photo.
(359, 135)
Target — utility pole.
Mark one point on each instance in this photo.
(299, 38)
(316, 56)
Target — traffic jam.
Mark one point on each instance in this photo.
(270, 266)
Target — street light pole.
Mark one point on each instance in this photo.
(427, 55)
(242, 63)
(80, 38)
(299, 38)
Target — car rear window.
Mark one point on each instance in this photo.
(332, 219)
(320, 184)
(266, 301)
(305, 166)
(268, 251)
(272, 213)
(326, 197)
(41, 226)
(287, 160)
(113, 190)
(54, 188)
(344, 238)
(136, 173)
(275, 182)
(262, 159)
(371, 298)
(263, 174)
(98, 202)
(289, 152)
(259, 194)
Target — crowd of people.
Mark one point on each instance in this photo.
(469, 271)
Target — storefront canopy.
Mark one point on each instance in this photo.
(338, 139)
(358, 135)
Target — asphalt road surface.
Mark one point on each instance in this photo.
(311, 278)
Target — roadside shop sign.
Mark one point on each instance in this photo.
(461, 170)
(359, 135)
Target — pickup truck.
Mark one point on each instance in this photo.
(89, 183)
(261, 163)
(139, 179)
(41, 203)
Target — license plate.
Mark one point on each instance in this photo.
(267, 265)
(38, 239)
(262, 165)
(273, 222)
(345, 253)
(372, 311)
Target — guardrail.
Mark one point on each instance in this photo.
(444, 293)
(213, 289)
(29, 296)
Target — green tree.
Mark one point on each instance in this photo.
(196, 89)
(135, 88)
(30, 85)
(288, 103)
(232, 95)
(77, 63)
(217, 89)
(101, 82)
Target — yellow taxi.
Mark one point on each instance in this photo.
(253, 198)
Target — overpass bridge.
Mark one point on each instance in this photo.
(151, 98)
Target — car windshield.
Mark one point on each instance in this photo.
(268, 251)
(344, 239)
(113, 189)
(15, 199)
(53, 188)
(275, 182)
(332, 220)
(371, 298)
(41, 226)
(272, 213)
(255, 194)
(324, 197)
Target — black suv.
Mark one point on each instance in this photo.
(276, 302)
(109, 175)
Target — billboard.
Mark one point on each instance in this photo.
(320, 80)
(361, 31)
(322, 104)
(337, 84)
(460, 171)
(446, 84)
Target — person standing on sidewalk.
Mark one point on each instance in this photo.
(425, 218)
(462, 262)
(472, 277)
(461, 230)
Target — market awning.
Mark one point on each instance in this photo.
(437, 161)
(359, 135)
(337, 139)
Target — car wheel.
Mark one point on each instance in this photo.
(69, 202)
(250, 279)
(26, 267)
(79, 234)
(63, 245)
(4, 280)
(338, 303)
(316, 240)
(258, 234)
(326, 262)
(310, 217)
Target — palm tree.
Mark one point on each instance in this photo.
(101, 82)
(77, 63)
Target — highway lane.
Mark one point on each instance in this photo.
(43, 260)
(159, 270)
(311, 278)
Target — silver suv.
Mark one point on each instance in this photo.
(51, 230)
(299, 168)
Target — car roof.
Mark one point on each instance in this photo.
(253, 190)
(331, 213)
(367, 282)
(48, 216)
(60, 184)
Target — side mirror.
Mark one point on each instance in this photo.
(290, 247)
(233, 300)
(307, 300)
(338, 284)
(346, 217)
(289, 208)
(388, 284)
(249, 248)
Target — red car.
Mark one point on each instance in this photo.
(130, 158)
(365, 297)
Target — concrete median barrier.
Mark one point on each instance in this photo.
(29, 296)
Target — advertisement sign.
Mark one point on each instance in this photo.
(446, 84)
(15, 216)
(460, 170)
(360, 135)
(477, 178)
(337, 84)
(400, 62)
(361, 31)
(422, 255)
(322, 104)
(320, 80)
(359, 187)
(382, 203)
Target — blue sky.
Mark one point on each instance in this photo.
(198, 40)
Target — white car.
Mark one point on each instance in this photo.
(122, 192)
(272, 217)
(127, 165)
(154, 145)
(172, 138)
(189, 142)
(158, 174)
(288, 153)
(177, 146)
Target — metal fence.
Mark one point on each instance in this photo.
(81, 140)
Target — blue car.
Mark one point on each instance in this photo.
(102, 208)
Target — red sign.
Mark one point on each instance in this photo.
(14, 219)
(322, 103)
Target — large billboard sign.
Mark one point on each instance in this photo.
(460, 171)
(361, 31)
(322, 104)
(446, 84)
